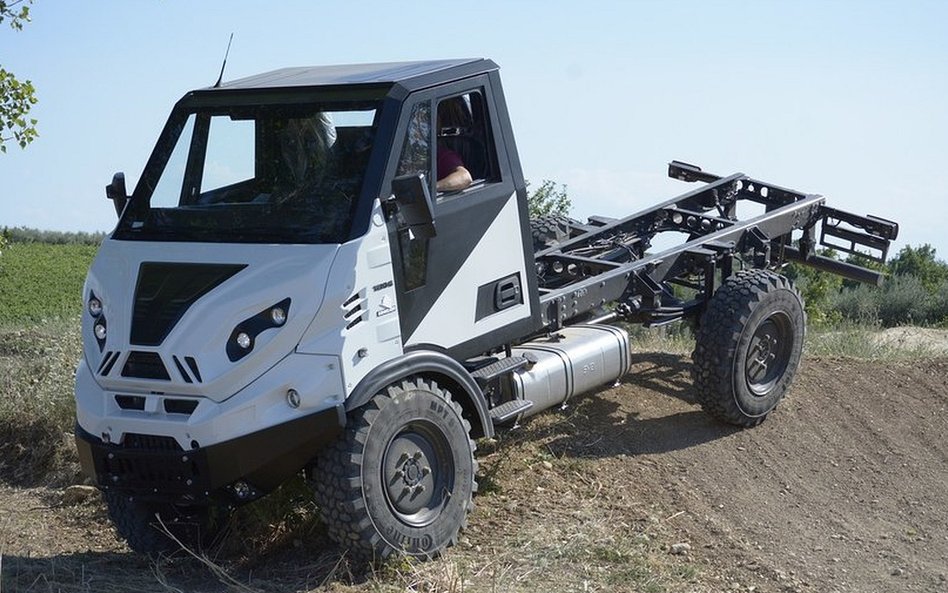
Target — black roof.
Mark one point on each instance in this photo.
(411, 75)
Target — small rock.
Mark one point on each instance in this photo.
(641, 538)
(547, 464)
(74, 495)
(680, 549)
(897, 571)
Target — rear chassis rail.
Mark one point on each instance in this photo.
(610, 262)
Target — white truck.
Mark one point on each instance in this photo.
(286, 291)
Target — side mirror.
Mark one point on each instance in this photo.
(115, 191)
(414, 204)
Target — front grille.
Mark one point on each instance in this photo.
(130, 402)
(180, 406)
(145, 365)
(150, 442)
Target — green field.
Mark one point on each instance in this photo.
(41, 281)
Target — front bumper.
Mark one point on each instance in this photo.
(238, 470)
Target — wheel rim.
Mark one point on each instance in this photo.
(768, 354)
(418, 473)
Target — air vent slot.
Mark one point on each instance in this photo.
(180, 406)
(130, 402)
(184, 373)
(108, 361)
(353, 310)
(193, 365)
(145, 365)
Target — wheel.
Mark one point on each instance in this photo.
(748, 346)
(138, 523)
(549, 230)
(401, 479)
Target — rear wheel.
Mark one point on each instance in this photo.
(401, 480)
(748, 346)
(550, 230)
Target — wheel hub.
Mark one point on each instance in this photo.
(768, 354)
(414, 476)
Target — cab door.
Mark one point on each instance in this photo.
(466, 288)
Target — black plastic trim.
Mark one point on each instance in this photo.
(427, 363)
(264, 459)
(253, 327)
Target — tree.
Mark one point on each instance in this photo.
(16, 97)
(920, 262)
(549, 198)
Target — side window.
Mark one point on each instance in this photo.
(415, 158)
(465, 139)
(416, 152)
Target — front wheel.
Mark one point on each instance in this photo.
(748, 346)
(402, 477)
(154, 528)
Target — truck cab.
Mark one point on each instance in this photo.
(262, 274)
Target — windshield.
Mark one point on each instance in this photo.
(262, 174)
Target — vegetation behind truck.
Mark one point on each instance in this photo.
(286, 291)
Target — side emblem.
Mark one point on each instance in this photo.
(386, 306)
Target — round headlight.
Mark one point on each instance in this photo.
(95, 307)
(99, 331)
(243, 340)
(278, 315)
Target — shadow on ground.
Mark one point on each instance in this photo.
(614, 422)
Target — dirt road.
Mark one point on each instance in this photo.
(844, 488)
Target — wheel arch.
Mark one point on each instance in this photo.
(435, 366)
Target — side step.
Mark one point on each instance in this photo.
(508, 411)
(499, 368)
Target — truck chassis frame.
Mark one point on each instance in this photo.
(607, 261)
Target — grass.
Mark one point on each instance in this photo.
(41, 282)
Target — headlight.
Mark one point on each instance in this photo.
(95, 307)
(244, 336)
(243, 340)
(278, 315)
(99, 331)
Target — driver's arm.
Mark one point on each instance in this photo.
(458, 179)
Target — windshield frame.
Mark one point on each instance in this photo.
(211, 102)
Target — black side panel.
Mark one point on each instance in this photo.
(165, 291)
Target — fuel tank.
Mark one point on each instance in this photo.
(572, 361)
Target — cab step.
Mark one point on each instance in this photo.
(501, 367)
(508, 411)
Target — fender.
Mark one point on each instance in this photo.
(449, 372)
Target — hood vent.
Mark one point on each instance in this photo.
(165, 291)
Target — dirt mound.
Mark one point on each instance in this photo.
(843, 489)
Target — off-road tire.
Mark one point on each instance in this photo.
(550, 230)
(748, 346)
(365, 484)
(136, 522)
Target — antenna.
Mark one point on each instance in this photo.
(224, 65)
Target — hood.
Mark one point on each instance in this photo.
(172, 310)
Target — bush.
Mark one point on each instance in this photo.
(939, 305)
(904, 301)
(859, 304)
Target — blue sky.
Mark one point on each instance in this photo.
(846, 99)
